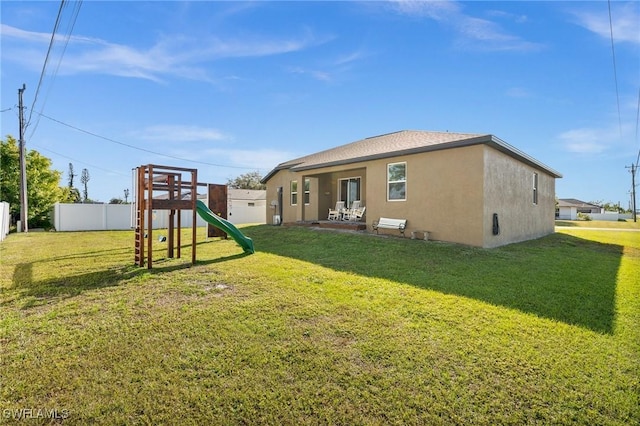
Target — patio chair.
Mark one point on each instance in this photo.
(346, 213)
(354, 215)
(336, 214)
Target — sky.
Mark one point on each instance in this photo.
(236, 87)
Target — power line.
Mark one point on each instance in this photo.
(142, 149)
(66, 38)
(83, 162)
(615, 71)
(637, 125)
(46, 60)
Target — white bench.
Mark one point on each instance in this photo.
(387, 223)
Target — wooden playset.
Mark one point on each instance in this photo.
(163, 188)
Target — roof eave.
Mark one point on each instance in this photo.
(487, 139)
(429, 148)
(281, 166)
(504, 147)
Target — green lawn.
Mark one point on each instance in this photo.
(321, 327)
(621, 224)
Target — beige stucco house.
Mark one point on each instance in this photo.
(472, 189)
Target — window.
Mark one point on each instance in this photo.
(294, 192)
(396, 181)
(307, 190)
(535, 188)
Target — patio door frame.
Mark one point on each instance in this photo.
(352, 190)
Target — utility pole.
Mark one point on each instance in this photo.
(23, 164)
(633, 192)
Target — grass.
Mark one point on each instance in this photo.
(322, 327)
(620, 224)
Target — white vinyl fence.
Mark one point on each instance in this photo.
(104, 217)
(91, 217)
(610, 216)
(571, 213)
(4, 220)
(108, 217)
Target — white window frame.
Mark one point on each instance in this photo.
(535, 188)
(293, 199)
(395, 182)
(307, 191)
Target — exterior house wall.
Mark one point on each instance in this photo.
(326, 195)
(311, 209)
(281, 179)
(444, 194)
(246, 211)
(333, 176)
(246, 206)
(324, 184)
(508, 191)
(567, 213)
(452, 193)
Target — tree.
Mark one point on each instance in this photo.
(247, 181)
(84, 179)
(609, 206)
(10, 175)
(71, 194)
(116, 200)
(71, 175)
(42, 183)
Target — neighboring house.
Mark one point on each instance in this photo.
(243, 205)
(568, 208)
(456, 186)
(246, 205)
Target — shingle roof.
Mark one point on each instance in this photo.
(401, 143)
(572, 202)
(246, 194)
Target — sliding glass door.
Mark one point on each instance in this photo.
(349, 190)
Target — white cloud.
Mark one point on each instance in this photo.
(474, 33)
(351, 58)
(520, 19)
(490, 35)
(330, 70)
(518, 92)
(316, 74)
(263, 160)
(179, 133)
(173, 55)
(437, 10)
(590, 140)
(624, 20)
(9, 31)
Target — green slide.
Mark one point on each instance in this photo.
(213, 219)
